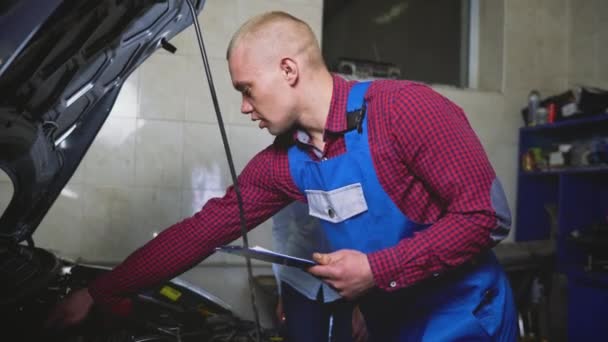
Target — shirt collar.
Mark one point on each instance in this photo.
(336, 118)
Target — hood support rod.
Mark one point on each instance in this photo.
(237, 190)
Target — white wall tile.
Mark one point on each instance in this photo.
(4, 178)
(108, 216)
(601, 10)
(246, 142)
(554, 16)
(310, 3)
(521, 16)
(194, 200)
(307, 11)
(583, 16)
(229, 98)
(521, 61)
(158, 153)
(127, 103)
(588, 43)
(582, 42)
(199, 106)
(156, 210)
(6, 191)
(261, 235)
(248, 9)
(217, 22)
(515, 101)
(536, 44)
(120, 220)
(601, 57)
(186, 42)
(110, 160)
(482, 110)
(78, 176)
(491, 44)
(504, 159)
(205, 164)
(63, 226)
(162, 91)
(582, 60)
(553, 45)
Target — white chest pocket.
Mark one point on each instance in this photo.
(337, 205)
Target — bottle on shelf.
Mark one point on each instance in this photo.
(541, 116)
(533, 105)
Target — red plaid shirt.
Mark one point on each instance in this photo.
(426, 156)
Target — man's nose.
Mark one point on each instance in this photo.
(246, 107)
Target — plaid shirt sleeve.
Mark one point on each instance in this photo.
(264, 185)
(436, 142)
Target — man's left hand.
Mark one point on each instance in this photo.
(347, 271)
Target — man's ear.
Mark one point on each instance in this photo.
(290, 71)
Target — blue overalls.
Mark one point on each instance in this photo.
(470, 304)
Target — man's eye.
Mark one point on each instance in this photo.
(247, 91)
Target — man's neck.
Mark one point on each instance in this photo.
(317, 101)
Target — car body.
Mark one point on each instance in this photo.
(62, 66)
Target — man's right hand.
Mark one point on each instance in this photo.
(71, 310)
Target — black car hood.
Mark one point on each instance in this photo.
(62, 65)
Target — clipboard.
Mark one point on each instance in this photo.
(264, 254)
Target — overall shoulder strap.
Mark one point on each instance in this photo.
(355, 107)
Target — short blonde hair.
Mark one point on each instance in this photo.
(293, 29)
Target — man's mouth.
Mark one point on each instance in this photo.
(262, 123)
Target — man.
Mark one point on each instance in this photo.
(408, 199)
(309, 308)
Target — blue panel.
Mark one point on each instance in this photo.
(356, 96)
(534, 193)
(583, 201)
(587, 306)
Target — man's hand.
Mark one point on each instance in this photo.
(71, 310)
(347, 271)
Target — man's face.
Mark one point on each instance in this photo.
(266, 95)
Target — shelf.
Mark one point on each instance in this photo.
(557, 201)
(568, 171)
(600, 118)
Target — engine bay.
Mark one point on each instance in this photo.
(169, 312)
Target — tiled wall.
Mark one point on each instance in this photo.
(588, 63)
(490, 44)
(159, 156)
(6, 191)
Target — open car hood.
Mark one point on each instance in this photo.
(62, 65)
